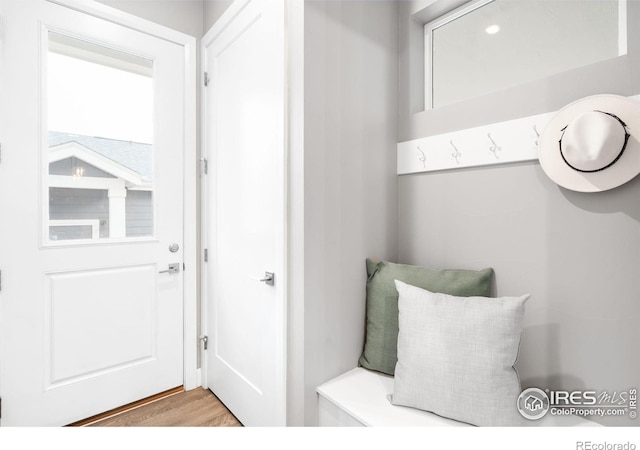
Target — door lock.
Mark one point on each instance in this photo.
(173, 268)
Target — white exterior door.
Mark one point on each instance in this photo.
(89, 320)
(243, 55)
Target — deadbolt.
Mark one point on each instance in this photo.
(174, 247)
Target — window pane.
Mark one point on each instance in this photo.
(100, 152)
(506, 43)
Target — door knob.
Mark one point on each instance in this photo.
(269, 278)
(173, 268)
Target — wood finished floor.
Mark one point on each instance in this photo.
(195, 408)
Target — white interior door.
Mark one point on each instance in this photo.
(89, 319)
(244, 191)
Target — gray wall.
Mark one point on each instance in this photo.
(193, 17)
(577, 254)
(181, 15)
(212, 10)
(350, 186)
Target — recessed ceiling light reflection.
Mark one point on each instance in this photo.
(493, 29)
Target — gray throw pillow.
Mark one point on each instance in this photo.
(381, 336)
(456, 356)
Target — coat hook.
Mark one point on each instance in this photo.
(535, 130)
(456, 154)
(494, 147)
(422, 158)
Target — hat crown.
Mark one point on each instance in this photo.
(593, 141)
(597, 152)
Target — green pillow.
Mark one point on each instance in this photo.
(381, 338)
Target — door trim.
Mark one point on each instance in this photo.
(282, 315)
(190, 275)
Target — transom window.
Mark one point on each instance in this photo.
(488, 45)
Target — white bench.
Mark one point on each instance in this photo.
(360, 398)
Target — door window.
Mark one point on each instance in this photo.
(99, 152)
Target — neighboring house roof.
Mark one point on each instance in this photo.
(135, 156)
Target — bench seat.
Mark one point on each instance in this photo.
(360, 397)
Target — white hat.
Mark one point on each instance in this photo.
(592, 144)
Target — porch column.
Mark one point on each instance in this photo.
(117, 212)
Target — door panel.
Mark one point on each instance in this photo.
(84, 343)
(245, 225)
(89, 323)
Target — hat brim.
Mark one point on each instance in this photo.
(623, 170)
